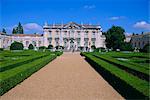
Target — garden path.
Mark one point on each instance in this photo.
(69, 77)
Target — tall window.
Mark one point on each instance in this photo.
(72, 34)
(78, 34)
(78, 43)
(86, 34)
(93, 42)
(57, 33)
(65, 33)
(39, 43)
(34, 43)
(50, 33)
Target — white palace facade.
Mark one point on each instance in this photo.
(70, 36)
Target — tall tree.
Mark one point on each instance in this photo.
(3, 31)
(14, 31)
(20, 29)
(115, 37)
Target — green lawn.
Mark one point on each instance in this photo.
(15, 66)
(126, 67)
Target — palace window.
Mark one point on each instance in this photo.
(78, 43)
(57, 43)
(39, 43)
(34, 43)
(93, 42)
(93, 34)
(50, 33)
(65, 33)
(86, 34)
(65, 44)
(86, 44)
(57, 33)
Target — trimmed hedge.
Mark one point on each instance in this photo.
(12, 77)
(139, 85)
(20, 62)
(15, 72)
(58, 53)
(31, 47)
(136, 70)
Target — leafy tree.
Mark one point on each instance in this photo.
(16, 46)
(133, 34)
(31, 47)
(14, 31)
(4, 31)
(50, 46)
(115, 37)
(18, 29)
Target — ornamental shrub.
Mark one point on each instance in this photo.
(16, 46)
(31, 47)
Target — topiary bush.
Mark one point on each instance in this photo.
(16, 46)
(50, 46)
(93, 47)
(31, 47)
(1, 49)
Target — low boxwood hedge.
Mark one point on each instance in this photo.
(136, 70)
(12, 77)
(20, 62)
(140, 85)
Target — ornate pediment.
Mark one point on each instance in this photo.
(72, 25)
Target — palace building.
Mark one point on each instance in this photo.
(74, 36)
(70, 36)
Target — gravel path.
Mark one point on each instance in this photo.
(69, 77)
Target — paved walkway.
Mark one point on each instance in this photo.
(69, 77)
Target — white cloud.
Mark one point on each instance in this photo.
(32, 26)
(89, 6)
(116, 18)
(28, 28)
(142, 25)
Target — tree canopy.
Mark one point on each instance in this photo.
(14, 31)
(18, 29)
(3, 31)
(115, 37)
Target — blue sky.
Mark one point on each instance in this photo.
(132, 15)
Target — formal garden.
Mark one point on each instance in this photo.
(17, 65)
(127, 72)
